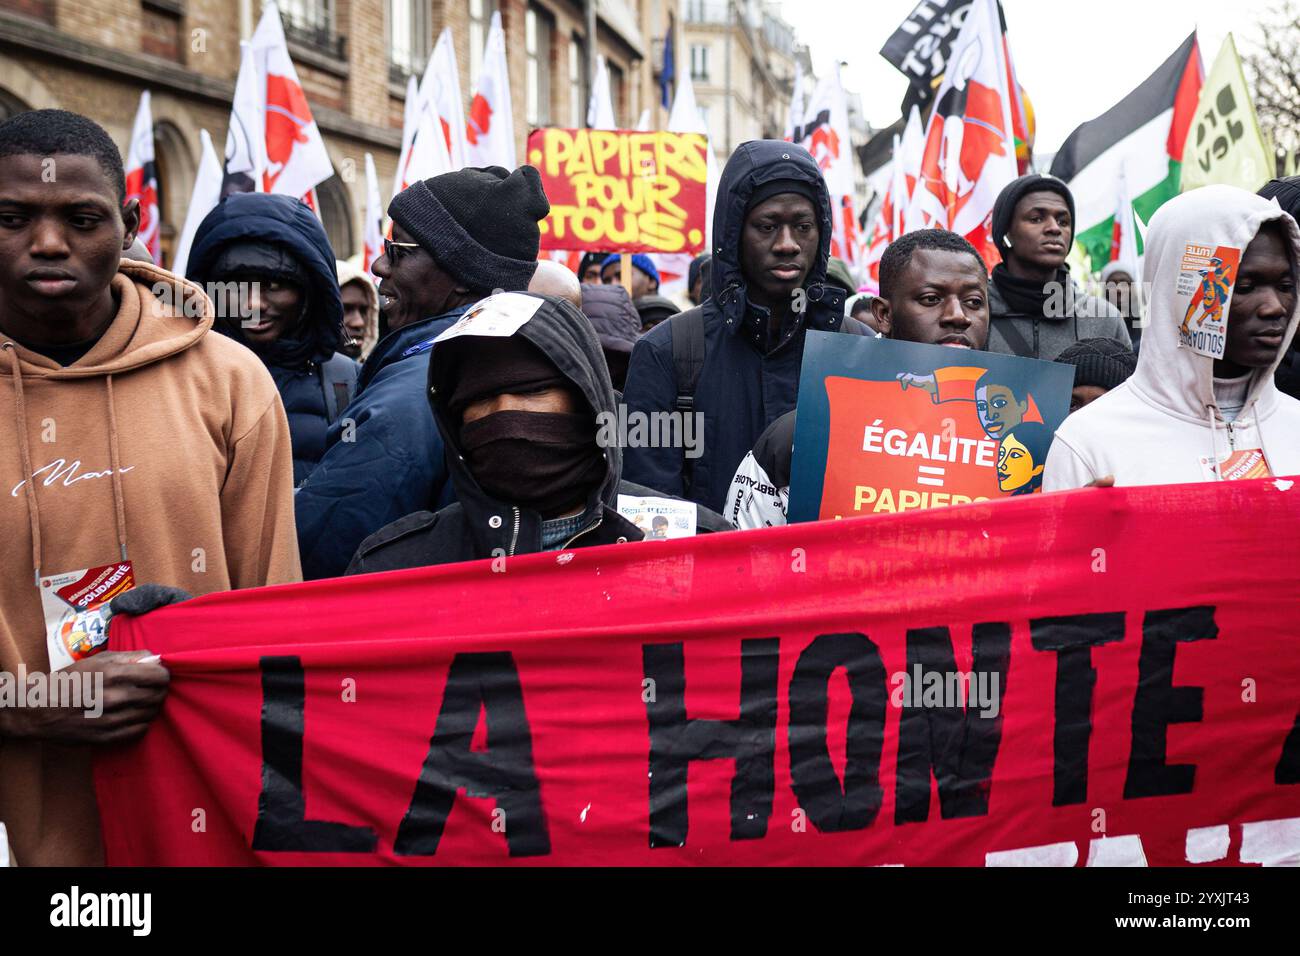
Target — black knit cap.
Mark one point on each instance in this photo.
(480, 224)
(776, 187)
(1104, 363)
(1005, 206)
(1286, 192)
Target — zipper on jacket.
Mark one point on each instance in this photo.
(1232, 444)
(514, 534)
(591, 527)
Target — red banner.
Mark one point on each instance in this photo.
(622, 191)
(1105, 676)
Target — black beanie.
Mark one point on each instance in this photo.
(1005, 206)
(1104, 363)
(1286, 192)
(776, 187)
(480, 224)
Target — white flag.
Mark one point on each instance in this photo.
(410, 119)
(685, 117)
(142, 178)
(296, 158)
(600, 110)
(826, 137)
(794, 122)
(490, 132)
(246, 135)
(373, 231)
(447, 100)
(428, 155)
(203, 199)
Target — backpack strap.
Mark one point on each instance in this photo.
(1014, 337)
(338, 380)
(687, 330)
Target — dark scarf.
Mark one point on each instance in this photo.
(1029, 296)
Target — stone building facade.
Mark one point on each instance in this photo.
(353, 58)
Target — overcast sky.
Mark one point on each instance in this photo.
(1075, 60)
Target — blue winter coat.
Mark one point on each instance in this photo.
(741, 388)
(389, 465)
(298, 364)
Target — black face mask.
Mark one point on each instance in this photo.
(545, 461)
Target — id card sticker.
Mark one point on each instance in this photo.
(76, 610)
(1205, 279)
(498, 316)
(659, 518)
(1236, 465)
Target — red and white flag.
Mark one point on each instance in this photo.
(970, 150)
(427, 156)
(490, 132)
(888, 224)
(443, 79)
(273, 138)
(203, 199)
(825, 134)
(142, 178)
(296, 158)
(373, 230)
(435, 106)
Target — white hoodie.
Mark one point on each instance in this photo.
(1163, 425)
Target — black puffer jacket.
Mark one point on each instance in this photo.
(315, 380)
(478, 526)
(743, 387)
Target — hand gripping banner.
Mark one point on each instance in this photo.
(1100, 677)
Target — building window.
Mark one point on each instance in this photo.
(480, 18)
(699, 62)
(577, 82)
(537, 45)
(409, 33)
(311, 23)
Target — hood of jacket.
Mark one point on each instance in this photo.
(566, 337)
(613, 316)
(752, 165)
(1177, 379)
(159, 314)
(290, 225)
(349, 271)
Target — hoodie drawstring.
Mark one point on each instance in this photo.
(25, 455)
(29, 479)
(114, 463)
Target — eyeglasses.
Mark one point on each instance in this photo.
(390, 250)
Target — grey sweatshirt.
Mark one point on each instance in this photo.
(1093, 318)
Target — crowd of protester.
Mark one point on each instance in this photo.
(314, 424)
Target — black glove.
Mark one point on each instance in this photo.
(146, 598)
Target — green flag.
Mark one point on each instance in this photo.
(1224, 144)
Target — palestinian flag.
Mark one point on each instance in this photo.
(1139, 140)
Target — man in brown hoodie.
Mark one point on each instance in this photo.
(129, 432)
